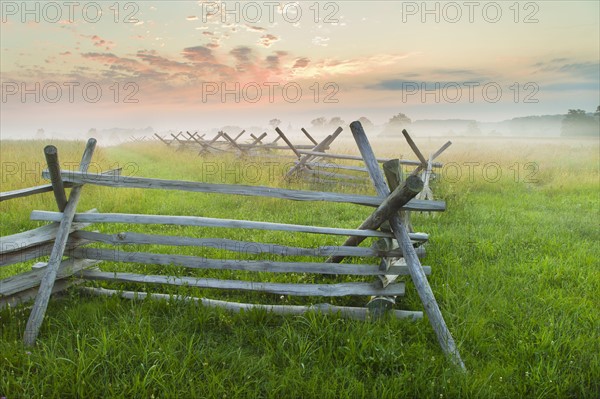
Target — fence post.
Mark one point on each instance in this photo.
(62, 235)
(58, 187)
(414, 265)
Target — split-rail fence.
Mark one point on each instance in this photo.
(72, 260)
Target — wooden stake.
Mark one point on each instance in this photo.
(168, 143)
(288, 142)
(239, 135)
(41, 301)
(442, 149)
(419, 278)
(216, 138)
(257, 140)
(233, 143)
(309, 136)
(394, 176)
(414, 147)
(51, 154)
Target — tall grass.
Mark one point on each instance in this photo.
(515, 271)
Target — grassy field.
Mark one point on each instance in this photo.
(515, 272)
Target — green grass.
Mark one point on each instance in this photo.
(515, 272)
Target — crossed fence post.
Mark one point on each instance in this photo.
(68, 210)
(426, 166)
(401, 234)
(320, 147)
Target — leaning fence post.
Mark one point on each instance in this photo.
(309, 136)
(257, 140)
(43, 297)
(391, 204)
(322, 146)
(233, 143)
(393, 173)
(214, 139)
(394, 176)
(239, 135)
(288, 142)
(58, 187)
(168, 143)
(414, 265)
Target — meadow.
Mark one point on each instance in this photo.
(514, 269)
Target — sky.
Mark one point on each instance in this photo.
(72, 66)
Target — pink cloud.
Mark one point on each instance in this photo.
(198, 54)
(267, 40)
(274, 61)
(301, 63)
(255, 28)
(162, 63)
(97, 41)
(110, 59)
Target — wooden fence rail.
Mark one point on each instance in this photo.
(261, 191)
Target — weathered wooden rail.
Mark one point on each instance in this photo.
(395, 252)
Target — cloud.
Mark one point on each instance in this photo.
(242, 53)
(191, 18)
(110, 59)
(267, 40)
(455, 72)
(130, 67)
(155, 70)
(151, 58)
(348, 67)
(301, 63)
(274, 61)
(551, 64)
(588, 70)
(159, 72)
(252, 28)
(402, 84)
(198, 54)
(563, 74)
(97, 41)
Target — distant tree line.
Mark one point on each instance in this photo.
(576, 122)
(579, 123)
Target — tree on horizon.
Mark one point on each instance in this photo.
(319, 123)
(578, 123)
(396, 124)
(335, 122)
(366, 122)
